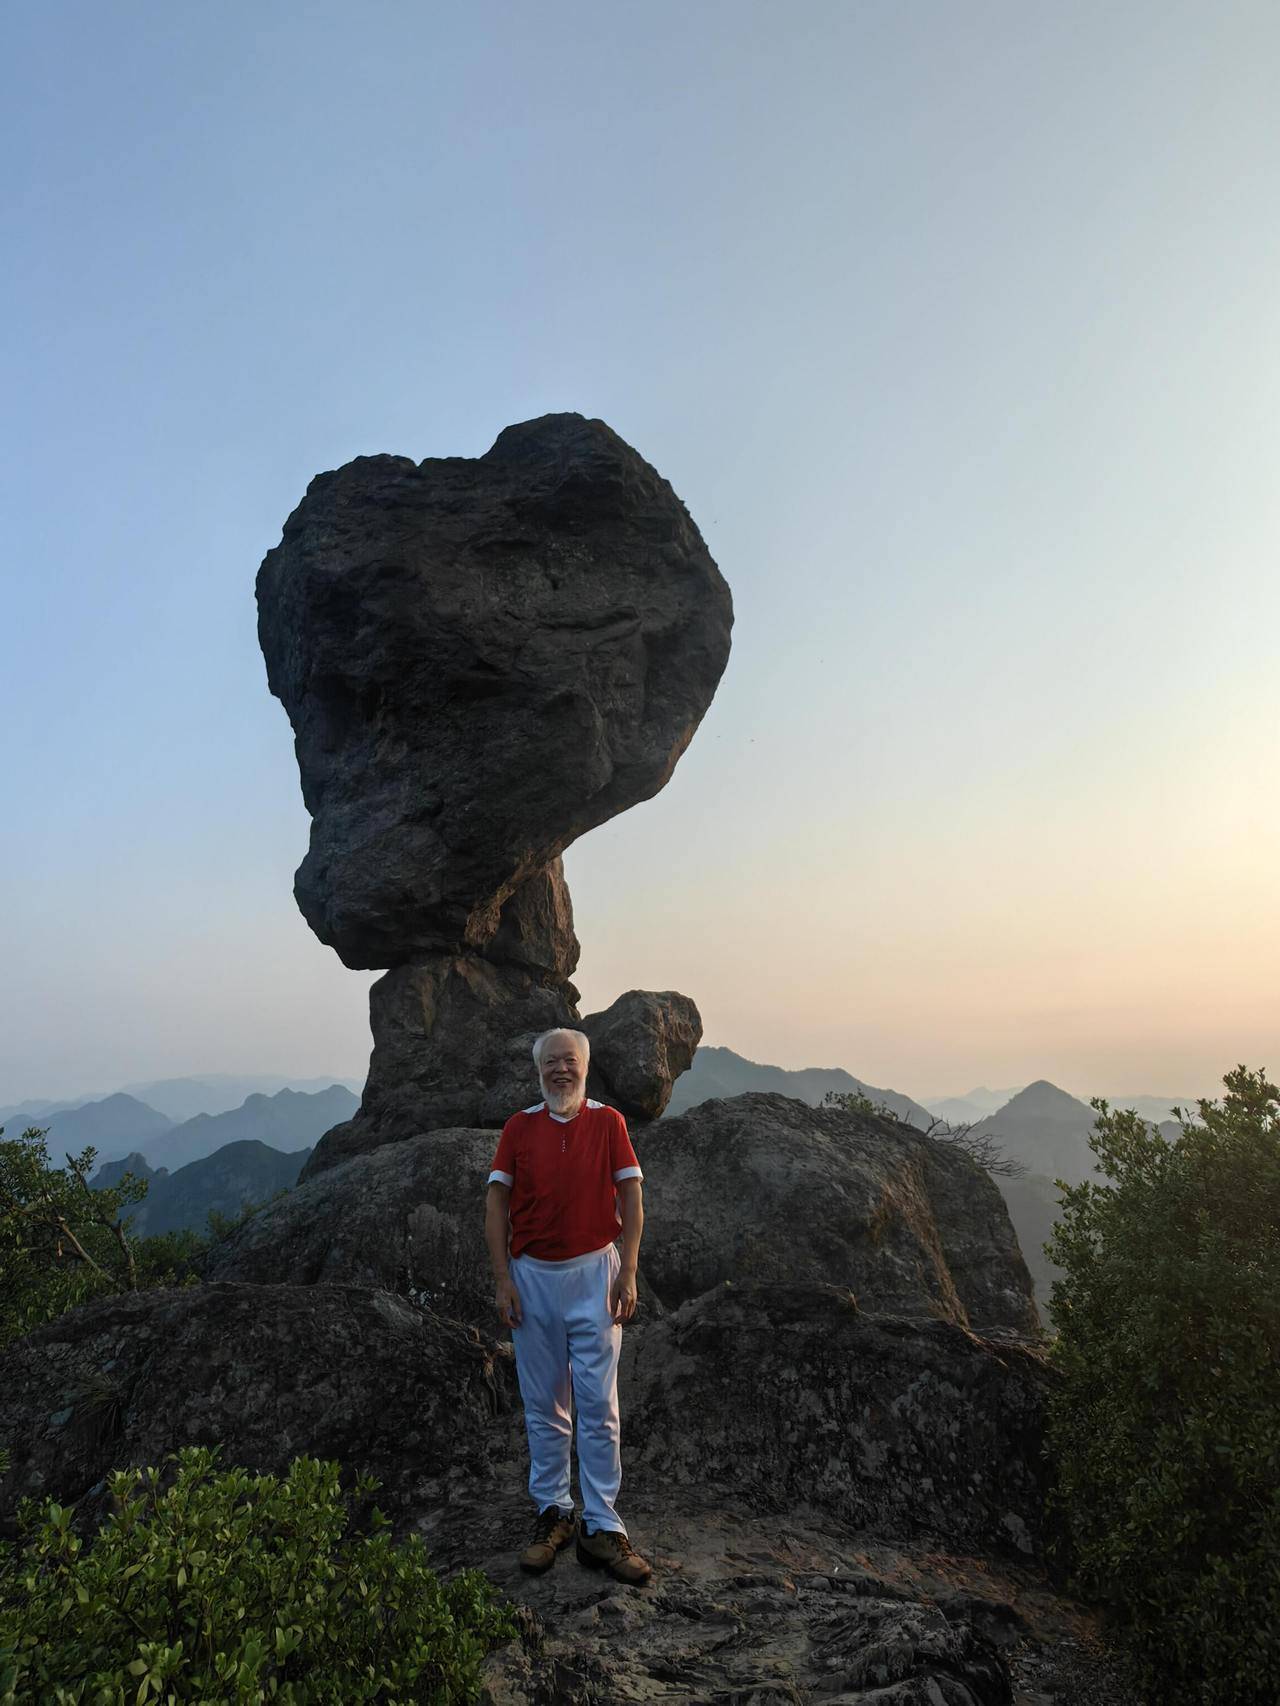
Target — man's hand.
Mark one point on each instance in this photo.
(508, 1300)
(622, 1296)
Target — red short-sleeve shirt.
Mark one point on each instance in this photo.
(563, 1177)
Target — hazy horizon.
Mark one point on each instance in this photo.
(957, 330)
(135, 1086)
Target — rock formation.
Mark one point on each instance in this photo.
(639, 1047)
(759, 1186)
(765, 1186)
(266, 1371)
(832, 1391)
(481, 659)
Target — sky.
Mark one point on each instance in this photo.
(955, 325)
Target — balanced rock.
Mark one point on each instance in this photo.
(267, 1372)
(481, 659)
(639, 1047)
(766, 1187)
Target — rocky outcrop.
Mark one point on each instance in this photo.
(268, 1372)
(481, 659)
(757, 1188)
(776, 1440)
(639, 1047)
(771, 1609)
(790, 1394)
(832, 1389)
(765, 1187)
(408, 1217)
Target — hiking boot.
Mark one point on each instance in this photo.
(608, 1550)
(552, 1529)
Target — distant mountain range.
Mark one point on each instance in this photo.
(105, 1124)
(965, 1110)
(219, 1093)
(238, 1173)
(121, 1124)
(721, 1072)
(286, 1121)
(177, 1098)
(1046, 1129)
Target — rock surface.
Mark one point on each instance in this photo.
(764, 1187)
(773, 1610)
(453, 1041)
(535, 929)
(481, 659)
(639, 1047)
(408, 1216)
(839, 1507)
(760, 1187)
(346, 1372)
(789, 1393)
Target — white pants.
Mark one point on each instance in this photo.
(567, 1345)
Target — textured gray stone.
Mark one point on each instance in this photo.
(267, 1372)
(791, 1393)
(453, 1040)
(481, 659)
(535, 928)
(639, 1047)
(766, 1187)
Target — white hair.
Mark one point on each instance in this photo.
(579, 1037)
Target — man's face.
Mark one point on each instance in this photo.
(563, 1072)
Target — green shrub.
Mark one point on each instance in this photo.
(64, 1242)
(233, 1588)
(61, 1243)
(1166, 1429)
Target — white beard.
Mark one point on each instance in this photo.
(562, 1101)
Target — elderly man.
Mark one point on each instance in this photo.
(563, 1171)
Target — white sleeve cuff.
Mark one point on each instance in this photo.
(627, 1173)
(500, 1178)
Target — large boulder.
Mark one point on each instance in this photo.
(408, 1217)
(792, 1395)
(481, 659)
(639, 1047)
(452, 1046)
(764, 1187)
(268, 1372)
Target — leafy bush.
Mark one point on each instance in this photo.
(1166, 1428)
(63, 1241)
(237, 1589)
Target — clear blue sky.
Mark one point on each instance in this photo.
(957, 327)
